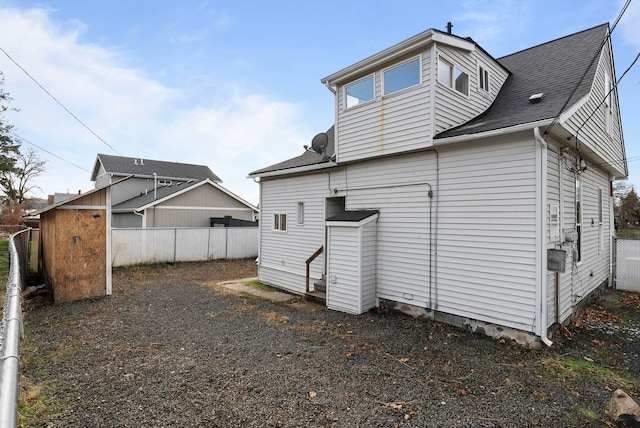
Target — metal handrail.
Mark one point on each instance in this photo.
(12, 332)
(308, 262)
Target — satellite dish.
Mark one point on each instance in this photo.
(319, 142)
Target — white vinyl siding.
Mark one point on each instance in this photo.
(577, 282)
(593, 130)
(283, 255)
(351, 277)
(487, 232)
(391, 124)
(398, 187)
(453, 108)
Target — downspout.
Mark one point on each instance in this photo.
(542, 238)
(435, 238)
(136, 212)
(328, 85)
(260, 221)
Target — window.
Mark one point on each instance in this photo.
(600, 220)
(164, 182)
(483, 78)
(452, 76)
(401, 76)
(359, 92)
(608, 110)
(578, 252)
(280, 222)
(300, 216)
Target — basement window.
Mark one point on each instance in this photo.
(280, 222)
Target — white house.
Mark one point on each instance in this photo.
(454, 185)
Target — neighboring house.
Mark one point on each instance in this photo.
(455, 185)
(166, 194)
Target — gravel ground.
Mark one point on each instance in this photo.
(172, 348)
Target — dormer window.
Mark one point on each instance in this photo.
(359, 92)
(483, 78)
(452, 76)
(401, 76)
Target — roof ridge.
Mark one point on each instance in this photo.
(553, 41)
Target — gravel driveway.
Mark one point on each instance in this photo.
(171, 348)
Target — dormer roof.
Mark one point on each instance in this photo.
(397, 51)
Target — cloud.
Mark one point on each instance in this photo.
(628, 25)
(233, 133)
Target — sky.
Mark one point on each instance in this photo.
(235, 85)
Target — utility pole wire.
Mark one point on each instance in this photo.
(47, 151)
(59, 103)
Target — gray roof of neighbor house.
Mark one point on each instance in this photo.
(555, 68)
(562, 69)
(122, 165)
(165, 192)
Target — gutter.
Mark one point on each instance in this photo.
(542, 262)
(294, 170)
(492, 133)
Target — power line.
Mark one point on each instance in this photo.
(59, 103)
(47, 151)
(586, 70)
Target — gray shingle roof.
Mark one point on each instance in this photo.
(147, 198)
(553, 68)
(352, 216)
(309, 157)
(121, 165)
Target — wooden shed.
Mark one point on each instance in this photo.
(75, 246)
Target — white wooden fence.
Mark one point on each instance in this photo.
(627, 261)
(158, 245)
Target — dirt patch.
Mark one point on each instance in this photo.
(168, 349)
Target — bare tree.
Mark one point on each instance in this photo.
(18, 182)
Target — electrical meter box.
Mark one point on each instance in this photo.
(556, 260)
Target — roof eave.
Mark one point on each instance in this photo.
(295, 170)
(491, 133)
(396, 51)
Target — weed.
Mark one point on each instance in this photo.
(258, 284)
(567, 367)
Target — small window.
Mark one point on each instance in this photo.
(359, 92)
(280, 222)
(600, 220)
(483, 78)
(608, 110)
(300, 213)
(452, 76)
(578, 252)
(445, 72)
(164, 182)
(401, 76)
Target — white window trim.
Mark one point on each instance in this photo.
(454, 66)
(278, 229)
(481, 70)
(344, 91)
(579, 221)
(300, 214)
(419, 58)
(600, 220)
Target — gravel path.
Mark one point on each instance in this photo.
(171, 348)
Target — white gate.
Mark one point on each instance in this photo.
(627, 259)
